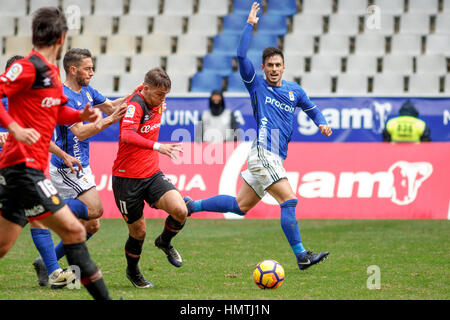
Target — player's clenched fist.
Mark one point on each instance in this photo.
(325, 130)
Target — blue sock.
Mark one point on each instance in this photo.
(59, 249)
(42, 239)
(220, 203)
(78, 208)
(290, 226)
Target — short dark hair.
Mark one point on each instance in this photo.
(74, 56)
(12, 60)
(157, 77)
(48, 25)
(270, 52)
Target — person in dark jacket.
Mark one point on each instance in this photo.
(217, 124)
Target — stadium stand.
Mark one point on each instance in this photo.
(36, 4)
(147, 8)
(282, 7)
(84, 6)
(325, 42)
(13, 8)
(206, 82)
(235, 83)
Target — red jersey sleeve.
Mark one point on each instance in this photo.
(68, 115)
(19, 76)
(130, 125)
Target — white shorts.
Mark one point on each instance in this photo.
(264, 168)
(71, 185)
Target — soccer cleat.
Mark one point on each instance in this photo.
(41, 272)
(59, 278)
(138, 280)
(189, 204)
(311, 258)
(172, 254)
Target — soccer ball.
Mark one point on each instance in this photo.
(268, 274)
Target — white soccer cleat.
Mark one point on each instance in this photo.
(60, 278)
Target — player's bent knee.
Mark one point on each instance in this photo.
(137, 230)
(95, 213)
(92, 226)
(179, 213)
(74, 233)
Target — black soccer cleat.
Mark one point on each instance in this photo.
(172, 254)
(189, 205)
(138, 280)
(311, 258)
(41, 272)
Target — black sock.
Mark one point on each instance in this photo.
(133, 250)
(171, 229)
(91, 277)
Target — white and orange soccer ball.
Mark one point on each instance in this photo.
(268, 274)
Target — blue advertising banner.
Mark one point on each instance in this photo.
(360, 119)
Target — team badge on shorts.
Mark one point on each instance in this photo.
(55, 200)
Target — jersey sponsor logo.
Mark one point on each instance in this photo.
(15, 71)
(130, 111)
(49, 102)
(35, 211)
(148, 128)
(283, 106)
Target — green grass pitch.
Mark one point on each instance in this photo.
(219, 256)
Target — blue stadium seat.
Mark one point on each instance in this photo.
(272, 24)
(261, 41)
(218, 63)
(234, 23)
(235, 83)
(256, 59)
(282, 7)
(226, 44)
(206, 82)
(243, 6)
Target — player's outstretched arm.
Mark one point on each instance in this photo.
(109, 106)
(246, 68)
(85, 131)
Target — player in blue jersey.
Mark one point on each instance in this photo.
(77, 188)
(274, 102)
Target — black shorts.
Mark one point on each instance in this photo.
(27, 195)
(130, 194)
